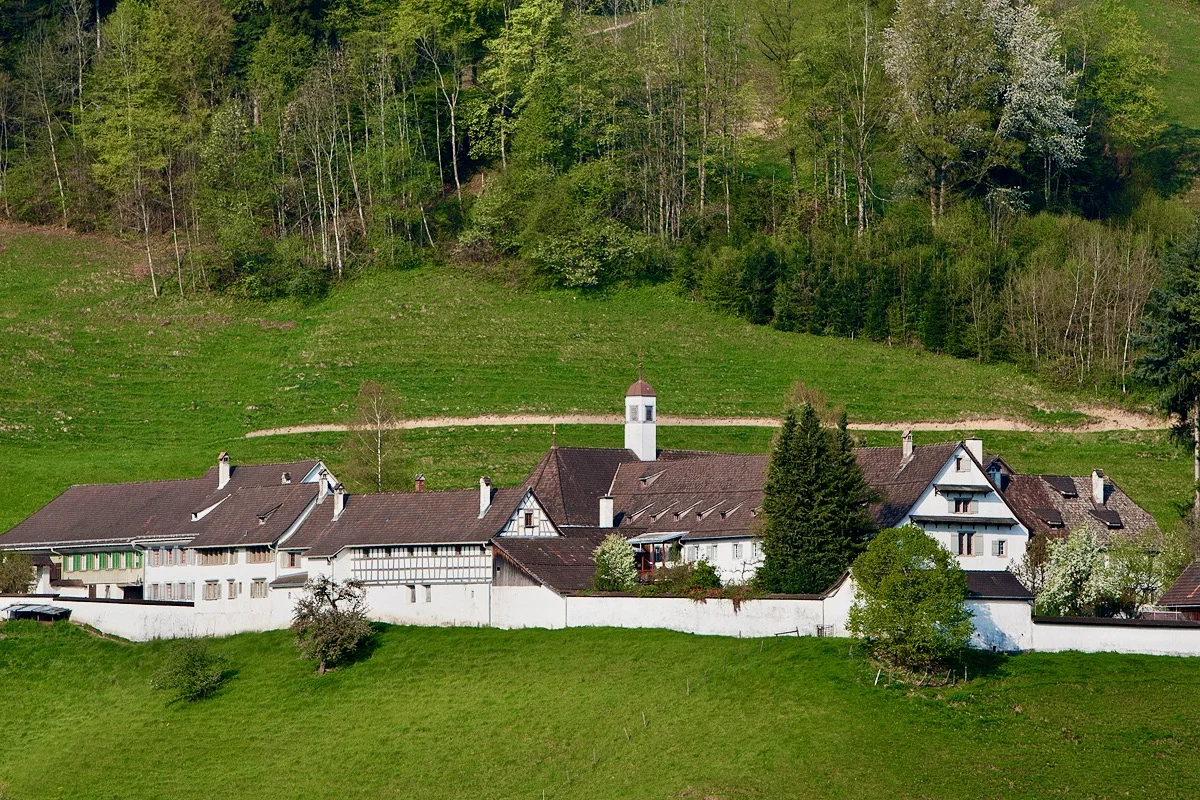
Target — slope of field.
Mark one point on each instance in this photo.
(480, 713)
(1176, 25)
(101, 382)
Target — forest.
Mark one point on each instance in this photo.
(992, 179)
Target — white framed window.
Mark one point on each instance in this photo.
(963, 505)
(190, 588)
(233, 593)
(960, 464)
(428, 593)
(258, 588)
(737, 550)
(649, 413)
(966, 543)
(170, 591)
(154, 591)
(632, 415)
(756, 551)
(693, 552)
(156, 557)
(412, 593)
(712, 553)
(212, 590)
(999, 547)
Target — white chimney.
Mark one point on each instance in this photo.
(485, 495)
(1098, 487)
(339, 501)
(907, 445)
(975, 445)
(287, 478)
(222, 470)
(606, 511)
(322, 485)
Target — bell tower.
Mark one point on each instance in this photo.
(641, 418)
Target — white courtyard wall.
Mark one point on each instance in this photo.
(1116, 636)
(527, 607)
(1004, 625)
(466, 604)
(762, 617)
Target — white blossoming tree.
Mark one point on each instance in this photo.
(616, 570)
(1077, 580)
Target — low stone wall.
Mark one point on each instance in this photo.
(1092, 635)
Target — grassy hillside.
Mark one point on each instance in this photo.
(1175, 24)
(100, 382)
(477, 713)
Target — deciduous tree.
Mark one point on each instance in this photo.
(330, 621)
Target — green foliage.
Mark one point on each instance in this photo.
(910, 608)
(704, 576)
(192, 671)
(1077, 580)
(16, 573)
(616, 570)
(814, 504)
(330, 621)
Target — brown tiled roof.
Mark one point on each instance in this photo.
(1185, 591)
(707, 495)
(400, 518)
(290, 581)
(1040, 498)
(564, 563)
(139, 511)
(569, 481)
(251, 515)
(900, 482)
(116, 512)
(995, 585)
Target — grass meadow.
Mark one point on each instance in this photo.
(480, 713)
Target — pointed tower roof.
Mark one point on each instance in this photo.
(640, 389)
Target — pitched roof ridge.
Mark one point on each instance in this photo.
(133, 483)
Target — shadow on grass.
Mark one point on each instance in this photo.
(983, 663)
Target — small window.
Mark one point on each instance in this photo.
(694, 552)
(712, 552)
(962, 505)
(632, 415)
(232, 589)
(960, 464)
(170, 593)
(258, 588)
(154, 591)
(212, 590)
(649, 410)
(412, 594)
(528, 519)
(428, 593)
(387, 552)
(411, 550)
(102, 561)
(737, 550)
(756, 551)
(999, 547)
(966, 543)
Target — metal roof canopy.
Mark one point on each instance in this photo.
(963, 488)
(657, 538)
(29, 608)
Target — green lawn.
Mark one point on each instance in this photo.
(1176, 24)
(100, 382)
(481, 713)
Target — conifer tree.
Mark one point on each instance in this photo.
(815, 505)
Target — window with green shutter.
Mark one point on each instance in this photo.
(75, 563)
(87, 561)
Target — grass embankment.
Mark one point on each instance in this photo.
(101, 382)
(481, 713)
(1174, 23)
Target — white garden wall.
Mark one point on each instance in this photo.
(437, 604)
(1003, 625)
(527, 607)
(1150, 637)
(762, 617)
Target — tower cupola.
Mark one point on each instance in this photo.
(641, 417)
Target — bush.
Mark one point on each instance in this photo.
(910, 609)
(192, 672)
(704, 576)
(16, 573)
(615, 567)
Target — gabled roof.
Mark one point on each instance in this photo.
(901, 481)
(404, 518)
(564, 563)
(569, 481)
(251, 515)
(241, 475)
(1185, 591)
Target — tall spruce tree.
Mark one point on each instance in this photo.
(1171, 360)
(815, 505)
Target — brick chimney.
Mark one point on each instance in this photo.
(485, 495)
(906, 444)
(222, 470)
(339, 501)
(419, 482)
(1098, 487)
(606, 511)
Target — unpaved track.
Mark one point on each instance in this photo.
(1102, 419)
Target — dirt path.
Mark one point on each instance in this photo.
(1102, 419)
